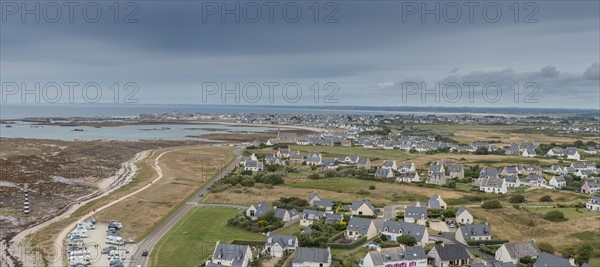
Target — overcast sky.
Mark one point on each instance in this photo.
(373, 53)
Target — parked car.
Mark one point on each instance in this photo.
(129, 241)
(108, 249)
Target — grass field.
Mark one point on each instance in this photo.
(185, 170)
(290, 230)
(570, 213)
(193, 240)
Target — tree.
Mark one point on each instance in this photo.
(583, 254)
(407, 240)
(491, 204)
(517, 199)
(555, 216)
(546, 198)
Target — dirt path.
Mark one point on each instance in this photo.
(124, 175)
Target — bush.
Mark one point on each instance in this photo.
(546, 198)
(314, 176)
(407, 240)
(372, 187)
(491, 204)
(517, 199)
(546, 247)
(555, 216)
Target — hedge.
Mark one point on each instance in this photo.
(336, 236)
(248, 242)
(351, 245)
(486, 242)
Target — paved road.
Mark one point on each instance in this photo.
(150, 241)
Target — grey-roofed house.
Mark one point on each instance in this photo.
(472, 232)
(549, 260)
(314, 196)
(230, 255)
(383, 172)
(593, 204)
(415, 214)
(308, 257)
(463, 216)
(395, 229)
(513, 251)
(436, 202)
(557, 182)
(358, 227)
(362, 207)
(446, 255)
(325, 204)
(286, 215)
(258, 209)
(395, 256)
(276, 245)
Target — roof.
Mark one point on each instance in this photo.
(357, 204)
(488, 172)
(324, 203)
(230, 252)
(549, 260)
(395, 254)
(452, 252)
(318, 255)
(460, 210)
(405, 228)
(361, 225)
(313, 195)
(415, 212)
(519, 250)
(434, 202)
(282, 240)
(470, 230)
(388, 163)
(511, 179)
(492, 182)
(261, 208)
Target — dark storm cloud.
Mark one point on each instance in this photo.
(171, 51)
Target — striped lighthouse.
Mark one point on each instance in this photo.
(26, 199)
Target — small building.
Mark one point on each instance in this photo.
(230, 255)
(463, 216)
(390, 164)
(415, 214)
(557, 182)
(513, 251)
(311, 257)
(395, 256)
(593, 204)
(448, 255)
(276, 245)
(472, 232)
(362, 207)
(258, 209)
(493, 185)
(358, 227)
(436, 202)
(395, 229)
(383, 172)
(590, 187)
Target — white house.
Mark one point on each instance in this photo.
(530, 153)
(358, 227)
(463, 216)
(395, 229)
(390, 164)
(415, 214)
(593, 204)
(258, 209)
(230, 255)
(436, 202)
(395, 257)
(513, 251)
(572, 153)
(471, 232)
(557, 182)
(362, 207)
(383, 172)
(277, 244)
(493, 185)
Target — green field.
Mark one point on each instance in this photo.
(570, 213)
(193, 240)
(336, 184)
(290, 230)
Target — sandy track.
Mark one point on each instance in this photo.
(124, 175)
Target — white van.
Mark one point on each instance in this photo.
(79, 233)
(114, 240)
